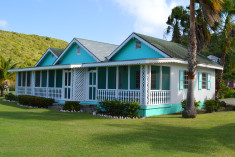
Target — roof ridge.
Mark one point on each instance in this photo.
(96, 41)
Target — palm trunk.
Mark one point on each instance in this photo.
(2, 91)
(220, 76)
(190, 111)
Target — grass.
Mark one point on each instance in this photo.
(44, 132)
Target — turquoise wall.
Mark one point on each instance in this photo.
(148, 111)
(71, 57)
(128, 52)
(47, 60)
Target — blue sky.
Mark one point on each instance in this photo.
(108, 21)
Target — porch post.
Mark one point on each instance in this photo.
(16, 83)
(33, 82)
(117, 81)
(146, 84)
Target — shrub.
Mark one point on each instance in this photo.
(118, 108)
(72, 106)
(11, 97)
(196, 104)
(226, 92)
(35, 101)
(212, 105)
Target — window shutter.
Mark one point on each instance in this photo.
(181, 80)
(199, 80)
(208, 81)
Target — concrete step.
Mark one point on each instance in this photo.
(57, 106)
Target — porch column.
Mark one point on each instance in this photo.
(117, 82)
(146, 84)
(16, 83)
(33, 82)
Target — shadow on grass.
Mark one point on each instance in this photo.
(172, 138)
(26, 113)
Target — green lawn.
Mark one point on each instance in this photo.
(43, 132)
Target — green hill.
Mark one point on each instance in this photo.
(26, 50)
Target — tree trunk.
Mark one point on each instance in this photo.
(189, 110)
(220, 76)
(2, 91)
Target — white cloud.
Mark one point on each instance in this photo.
(150, 15)
(3, 24)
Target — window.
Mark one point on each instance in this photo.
(186, 79)
(153, 79)
(28, 78)
(24, 79)
(78, 50)
(138, 45)
(137, 79)
(204, 80)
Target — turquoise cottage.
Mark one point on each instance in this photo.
(146, 69)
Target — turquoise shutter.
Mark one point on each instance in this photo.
(208, 81)
(181, 80)
(199, 80)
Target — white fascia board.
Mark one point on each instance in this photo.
(77, 42)
(54, 67)
(48, 50)
(133, 35)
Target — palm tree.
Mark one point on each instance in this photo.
(210, 9)
(227, 39)
(5, 76)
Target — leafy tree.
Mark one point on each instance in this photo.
(211, 7)
(227, 39)
(5, 76)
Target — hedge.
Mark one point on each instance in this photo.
(11, 97)
(118, 108)
(35, 101)
(72, 106)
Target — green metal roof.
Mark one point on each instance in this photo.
(174, 50)
(57, 51)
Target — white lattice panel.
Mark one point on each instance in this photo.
(79, 84)
(143, 84)
(148, 78)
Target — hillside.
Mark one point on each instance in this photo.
(26, 50)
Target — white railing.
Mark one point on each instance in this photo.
(122, 95)
(55, 93)
(24, 90)
(159, 97)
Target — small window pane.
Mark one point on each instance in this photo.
(186, 79)
(78, 50)
(138, 45)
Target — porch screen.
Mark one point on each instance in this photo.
(59, 78)
(44, 78)
(37, 79)
(155, 77)
(165, 78)
(51, 78)
(28, 78)
(24, 79)
(135, 77)
(19, 79)
(123, 77)
(102, 78)
(112, 78)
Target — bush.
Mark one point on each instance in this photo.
(72, 106)
(212, 105)
(118, 108)
(226, 92)
(196, 104)
(35, 101)
(11, 97)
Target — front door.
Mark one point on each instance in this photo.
(92, 85)
(67, 84)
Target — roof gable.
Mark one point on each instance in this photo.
(47, 58)
(129, 52)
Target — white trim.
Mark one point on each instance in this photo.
(79, 44)
(48, 50)
(133, 35)
(116, 63)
